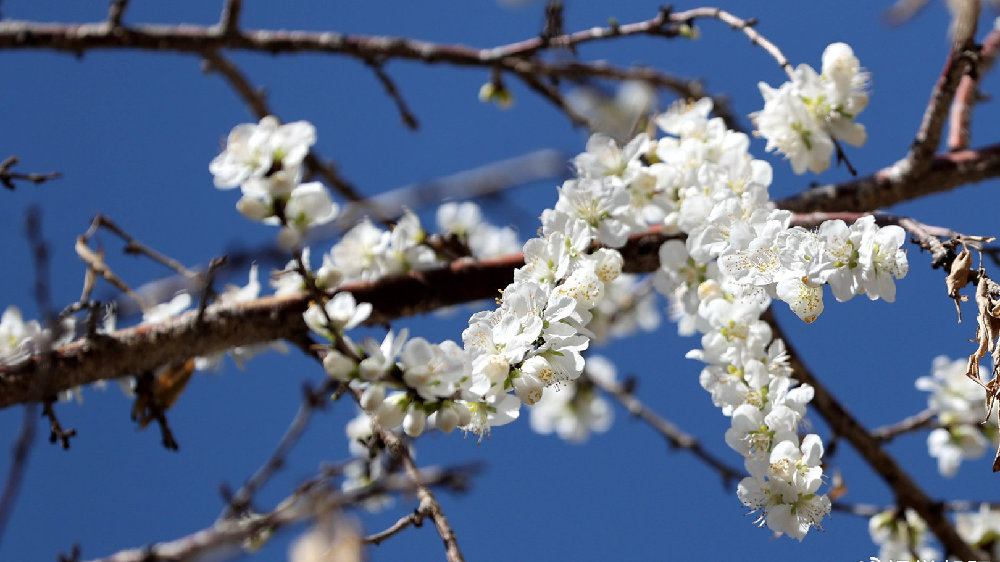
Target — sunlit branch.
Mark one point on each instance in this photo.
(897, 183)
(518, 57)
(967, 94)
(143, 348)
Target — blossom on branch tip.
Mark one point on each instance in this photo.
(258, 151)
(342, 311)
(802, 118)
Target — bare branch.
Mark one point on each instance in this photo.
(18, 463)
(311, 401)
(673, 434)
(230, 20)
(899, 182)
(915, 422)
(116, 9)
(428, 502)
(928, 138)
(8, 177)
(390, 88)
(310, 500)
(967, 94)
(78, 38)
(415, 519)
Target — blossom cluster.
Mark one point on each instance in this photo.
(733, 253)
(533, 340)
(804, 117)
(265, 162)
(960, 404)
(903, 535)
(722, 207)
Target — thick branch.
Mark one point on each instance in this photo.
(142, 348)
(895, 184)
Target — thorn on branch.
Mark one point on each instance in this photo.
(56, 431)
(7, 177)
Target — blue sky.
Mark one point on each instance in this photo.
(133, 132)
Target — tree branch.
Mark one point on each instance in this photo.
(309, 500)
(897, 183)
(143, 348)
(673, 434)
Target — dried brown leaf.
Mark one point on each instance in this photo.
(959, 278)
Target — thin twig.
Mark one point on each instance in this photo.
(415, 519)
(967, 94)
(56, 431)
(394, 443)
(8, 177)
(552, 94)
(312, 499)
(229, 21)
(871, 510)
(405, 114)
(673, 434)
(134, 246)
(77, 38)
(311, 401)
(207, 292)
(427, 500)
(18, 463)
(899, 182)
(960, 61)
(25, 438)
(116, 9)
(922, 420)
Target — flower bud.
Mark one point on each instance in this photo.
(464, 414)
(415, 421)
(372, 397)
(254, 209)
(446, 419)
(338, 365)
(390, 413)
(370, 369)
(528, 388)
